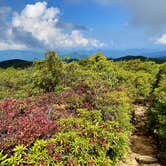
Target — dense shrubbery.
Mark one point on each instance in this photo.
(91, 130)
(15, 83)
(24, 120)
(52, 74)
(139, 76)
(157, 112)
(74, 113)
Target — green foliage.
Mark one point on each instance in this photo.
(3, 159)
(83, 140)
(157, 112)
(16, 159)
(90, 105)
(140, 77)
(15, 83)
(48, 73)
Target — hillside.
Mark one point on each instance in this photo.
(80, 54)
(16, 63)
(142, 58)
(92, 111)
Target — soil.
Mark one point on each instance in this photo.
(143, 148)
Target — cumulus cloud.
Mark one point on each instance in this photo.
(78, 39)
(162, 40)
(71, 26)
(38, 26)
(6, 41)
(5, 12)
(149, 15)
(26, 38)
(11, 46)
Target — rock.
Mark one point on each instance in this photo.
(146, 160)
(151, 164)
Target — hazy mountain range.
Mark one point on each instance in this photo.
(79, 54)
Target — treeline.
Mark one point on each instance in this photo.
(18, 63)
(77, 113)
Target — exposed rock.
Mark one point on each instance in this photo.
(151, 164)
(146, 160)
(142, 145)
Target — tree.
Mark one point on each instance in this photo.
(48, 73)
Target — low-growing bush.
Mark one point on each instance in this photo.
(73, 132)
(157, 114)
(78, 113)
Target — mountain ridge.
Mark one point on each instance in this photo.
(80, 54)
(19, 63)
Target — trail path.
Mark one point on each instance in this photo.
(142, 145)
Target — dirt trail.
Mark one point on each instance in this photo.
(142, 145)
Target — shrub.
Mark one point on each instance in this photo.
(48, 73)
(157, 113)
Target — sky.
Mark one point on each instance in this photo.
(82, 24)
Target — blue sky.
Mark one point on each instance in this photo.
(82, 24)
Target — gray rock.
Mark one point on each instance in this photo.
(151, 164)
(146, 160)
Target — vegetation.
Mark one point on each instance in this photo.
(78, 113)
(15, 63)
(157, 112)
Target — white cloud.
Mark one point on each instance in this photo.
(40, 24)
(147, 14)
(78, 39)
(11, 46)
(34, 11)
(162, 39)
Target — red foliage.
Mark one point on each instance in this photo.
(81, 88)
(119, 129)
(24, 120)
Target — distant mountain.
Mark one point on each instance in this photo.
(159, 54)
(16, 63)
(142, 58)
(79, 54)
(20, 54)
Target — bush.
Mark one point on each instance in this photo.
(83, 140)
(78, 113)
(48, 73)
(76, 133)
(157, 113)
(15, 82)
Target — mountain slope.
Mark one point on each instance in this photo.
(142, 58)
(16, 63)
